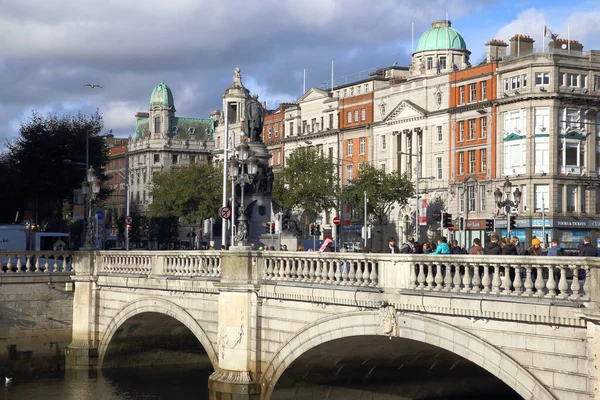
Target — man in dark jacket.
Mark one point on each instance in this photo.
(588, 249)
(392, 248)
(493, 248)
(509, 249)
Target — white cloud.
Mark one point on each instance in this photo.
(120, 115)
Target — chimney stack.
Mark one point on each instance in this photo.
(495, 50)
(521, 45)
(563, 44)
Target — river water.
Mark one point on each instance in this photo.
(119, 384)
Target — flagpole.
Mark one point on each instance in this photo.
(569, 38)
(412, 38)
(304, 83)
(544, 38)
(332, 75)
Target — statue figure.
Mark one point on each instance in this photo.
(255, 118)
(270, 179)
(237, 76)
(261, 180)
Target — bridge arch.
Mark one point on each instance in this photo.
(410, 326)
(160, 306)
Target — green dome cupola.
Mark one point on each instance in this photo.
(162, 96)
(441, 36)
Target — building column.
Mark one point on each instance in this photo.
(236, 377)
(82, 352)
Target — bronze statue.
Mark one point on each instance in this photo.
(255, 118)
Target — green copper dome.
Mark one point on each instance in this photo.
(441, 36)
(162, 96)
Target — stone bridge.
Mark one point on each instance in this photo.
(528, 325)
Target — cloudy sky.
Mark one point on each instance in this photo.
(50, 48)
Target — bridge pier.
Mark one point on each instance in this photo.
(236, 377)
(82, 352)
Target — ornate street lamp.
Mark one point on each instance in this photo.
(90, 189)
(241, 176)
(503, 201)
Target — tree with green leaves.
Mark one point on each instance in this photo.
(192, 193)
(307, 183)
(383, 191)
(38, 162)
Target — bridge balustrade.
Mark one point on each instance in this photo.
(41, 262)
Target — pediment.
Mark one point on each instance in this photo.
(313, 94)
(405, 111)
(513, 136)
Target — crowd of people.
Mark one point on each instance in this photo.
(506, 246)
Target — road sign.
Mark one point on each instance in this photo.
(451, 228)
(100, 229)
(347, 222)
(225, 212)
(128, 220)
(336, 221)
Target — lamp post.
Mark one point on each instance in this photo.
(507, 203)
(90, 189)
(417, 178)
(241, 176)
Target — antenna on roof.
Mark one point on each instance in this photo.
(304, 82)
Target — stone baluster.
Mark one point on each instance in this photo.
(476, 279)
(563, 285)
(575, 289)
(439, 279)
(447, 271)
(518, 283)
(337, 271)
(586, 282)
(359, 274)
(331, 273)
(9, 265)
(456, 279)
(265, 271)
(351, 273)
(320, 273)
(305, 270)
(485, 281)
(413, 276)
(293, 266)
(466, 281)
(218, 267)
(366, 276)
(528, 281)
(507, 284)
(280, 268)
(430, 278)
(496, 281)
(39, 268)
(19, 264)
(374, 276)
(551, 283)
(540, 284)
(269, 267)
(421, 277)
(28, 263)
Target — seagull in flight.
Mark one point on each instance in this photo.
(92, 85)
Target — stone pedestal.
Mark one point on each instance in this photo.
(82, 352)
(236, 377)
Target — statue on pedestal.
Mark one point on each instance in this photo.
(255, 119)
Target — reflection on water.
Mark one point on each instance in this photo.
(118, 384)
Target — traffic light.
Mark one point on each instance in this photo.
(312, 230)
(513, 222)
(268, 227)
(129, 231)
(285, 223)
(272, 228)
(489, 225)
(446, 220)
(318, 230)
(461, 223)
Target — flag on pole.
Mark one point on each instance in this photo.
(548, 33)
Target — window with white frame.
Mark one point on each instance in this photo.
(483, 127)
(278, 159)
(515, 121)
(515, 82)
(440, 134)
(571, 154)
(349, 117)
(472, 198)
(571, 198)
(472, 162)
(349, 176)
(506, 85)
(542, 120)
(542, 78)
(461, 201)
(439, 169)
(345, 92)
(572, 80)
(461, 162)
(355, 115)
(482, 197)
(569, 118)
(472, 92)
(382, 143)
(313, 125)
(291, 128)
(514, 153)
(542, 155)
(483, 154)
(157, 124)
(276, 130)
(524, 80)
(362, 144)
(366, 87)
(442, 62)
(349, 145)
(542, 198)
(429, 62)
(461, 95)
(483, 90)
(472, 129)
(363, 114)
(461, 131)
(270, 133)
(358, 89)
